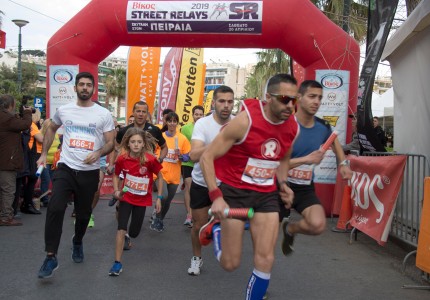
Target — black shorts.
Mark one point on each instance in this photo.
(199, 196)
(137, 214)
(186, 171)
(304, 196)
(260, 202)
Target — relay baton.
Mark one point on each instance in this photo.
(237, 213)
(40, 170)
(329, 141)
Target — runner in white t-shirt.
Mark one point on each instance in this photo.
(205, 131)
(88, 135)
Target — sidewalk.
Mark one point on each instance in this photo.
(322, 267)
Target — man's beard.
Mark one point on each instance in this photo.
(84, 97)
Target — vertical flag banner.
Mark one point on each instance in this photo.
(61, 86)
(142, 77)
(208, 101)
(169, 78)
(381, 15)
(333, 109)
(190, 84)
(202, 88)
(2, 39)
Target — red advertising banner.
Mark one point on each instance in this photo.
(423, 249)
(2, 39)
(169, 82)
(298, 72)
(375, 184)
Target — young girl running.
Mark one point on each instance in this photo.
(138, 165)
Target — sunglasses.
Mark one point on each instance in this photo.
(284, 99)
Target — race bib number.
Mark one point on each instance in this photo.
(81, 143)
(260, 172)
(301, 175)
(171, 156)
(136, 185)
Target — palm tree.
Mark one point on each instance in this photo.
(115, 87)
(270, 62)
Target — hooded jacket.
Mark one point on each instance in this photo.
(11, 151)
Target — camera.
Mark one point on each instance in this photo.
(24, 101)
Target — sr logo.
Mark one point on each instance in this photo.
(270, 148)
(243, 11)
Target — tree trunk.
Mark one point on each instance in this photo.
(410, 5)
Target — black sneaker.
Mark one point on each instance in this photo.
(77, 252)
(127, 243)
(287, 241)
(50, 264)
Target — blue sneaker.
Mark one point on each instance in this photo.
(50, 264)
(77, 252)
(116, 269)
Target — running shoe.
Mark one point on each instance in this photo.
(188, 222)
(116, 269)
(196, 265)
(160, 227)
(50, 264)
(205, 233)
(77, 251)
(127, 242)
(91, 221)
(112, 201)
(287, 241)
(153, 215)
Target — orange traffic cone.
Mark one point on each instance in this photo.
(345, 212)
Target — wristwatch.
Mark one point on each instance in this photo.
(344, 162)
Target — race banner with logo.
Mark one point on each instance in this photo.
(169, 82)
(190, 84)
(208, 102)
(211, 16)
(61, 86)
(202, 87)
(142, 77)
(381, 15)
(375, 184)
(333, 109)
(107, 185)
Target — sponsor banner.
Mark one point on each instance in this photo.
(375, 184)
(190, 84)
(169, 82)
(202, 87)
(107, 185)
(423, 249)
(208, 102)
(142, 77)
(381, 14)
(61, 86)
(298, 72)
(210, 16)
(2, 39)
(334, 108)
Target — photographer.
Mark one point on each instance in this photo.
(11, 155)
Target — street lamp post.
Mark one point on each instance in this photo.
(19, 23)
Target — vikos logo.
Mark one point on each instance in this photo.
(363, 190)
(332, 81)
(63, 76)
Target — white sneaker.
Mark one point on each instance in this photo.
(196, 264)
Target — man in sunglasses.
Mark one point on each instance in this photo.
(250, 156)
(306, 154)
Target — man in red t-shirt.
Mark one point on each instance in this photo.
(251, 156)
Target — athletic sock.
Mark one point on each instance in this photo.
(257, 285)
(216, 236)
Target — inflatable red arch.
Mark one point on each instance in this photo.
(295, 26)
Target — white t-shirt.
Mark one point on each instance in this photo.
(82, 133)
(205, 130)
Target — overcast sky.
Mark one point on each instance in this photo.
(47, 16)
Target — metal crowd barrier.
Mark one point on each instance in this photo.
(407, 214)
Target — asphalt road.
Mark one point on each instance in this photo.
(322, 267)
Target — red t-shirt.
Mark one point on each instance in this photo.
(251, 163)
(137, 178)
